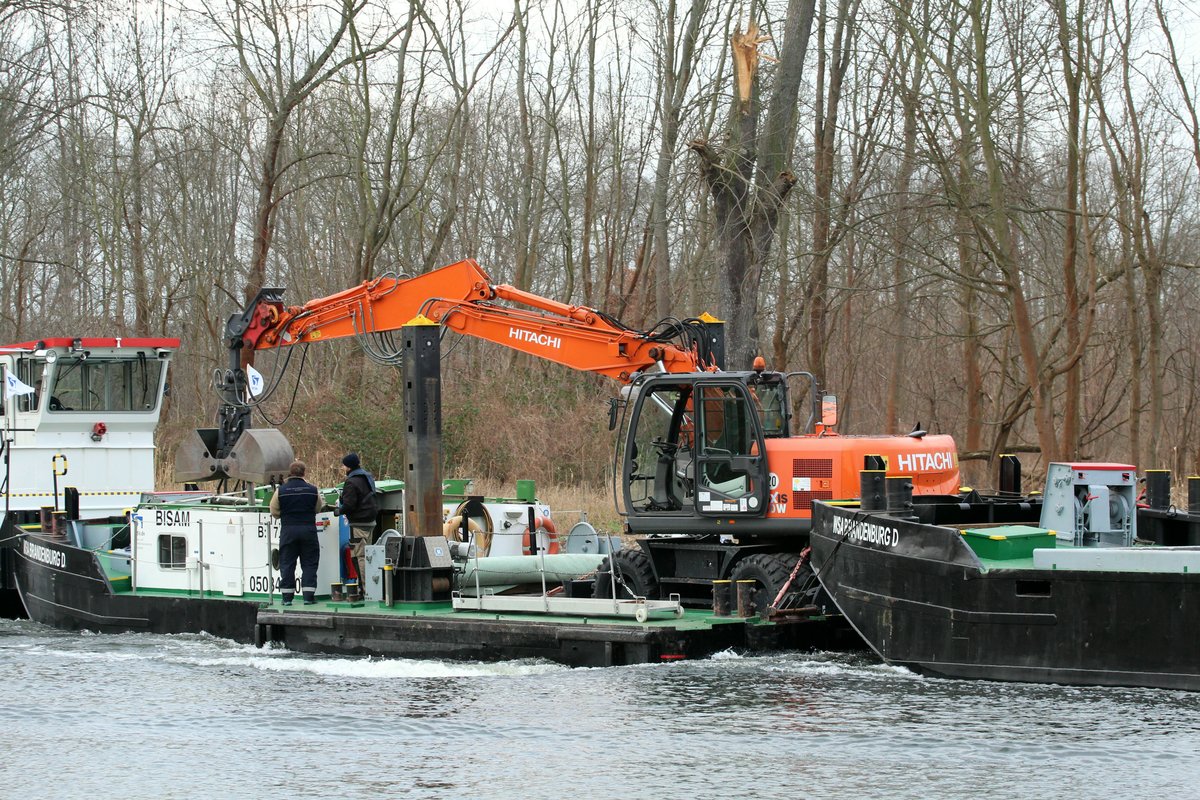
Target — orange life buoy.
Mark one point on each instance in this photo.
(546, 524)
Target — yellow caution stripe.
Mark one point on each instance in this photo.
(82, 494)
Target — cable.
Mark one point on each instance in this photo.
(295, 391)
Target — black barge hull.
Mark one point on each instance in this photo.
(66, 587)
(920, 598)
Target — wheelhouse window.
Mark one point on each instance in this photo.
(87, 384)
(172, 551)
(29, 372)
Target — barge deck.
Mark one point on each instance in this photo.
(73, 588)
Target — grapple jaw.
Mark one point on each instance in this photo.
(260, 455)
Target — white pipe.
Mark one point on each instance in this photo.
(505, 570)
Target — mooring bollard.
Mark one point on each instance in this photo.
(722, 600)
(389, 598)
(872, 493)
(899, 495)
(1010, 475)
(1158, 489)
(745, 598)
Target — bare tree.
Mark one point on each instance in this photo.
(286, 52)
(748, 176)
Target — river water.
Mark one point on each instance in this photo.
(144, 716)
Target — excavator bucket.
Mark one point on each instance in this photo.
(261, 456)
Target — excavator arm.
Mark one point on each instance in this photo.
(462, 297)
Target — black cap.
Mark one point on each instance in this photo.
(351, 460)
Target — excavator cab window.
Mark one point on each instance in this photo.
(696, 446)
(731, 460)
(771, 401)
(659, 452)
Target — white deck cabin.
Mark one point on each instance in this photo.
(89, 423)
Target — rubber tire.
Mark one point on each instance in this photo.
(634, 567)
(769, 571)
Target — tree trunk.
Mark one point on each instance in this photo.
(750, 183)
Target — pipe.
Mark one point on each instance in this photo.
(505, 570)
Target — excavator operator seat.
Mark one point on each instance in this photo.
(664, 498)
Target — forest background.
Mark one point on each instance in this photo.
(976, 215)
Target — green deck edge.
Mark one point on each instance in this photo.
(692, 619)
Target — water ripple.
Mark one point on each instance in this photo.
(195, 716)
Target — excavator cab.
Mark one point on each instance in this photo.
(693, 446)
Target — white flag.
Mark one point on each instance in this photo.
(14, 385)
(255, 379)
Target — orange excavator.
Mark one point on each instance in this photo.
(712, 471)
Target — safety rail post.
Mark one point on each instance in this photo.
(200, 559)
(134, 519)
(478, 590)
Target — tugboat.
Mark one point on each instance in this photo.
(1084, 584)
(77, 433)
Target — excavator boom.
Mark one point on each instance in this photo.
(462, 297)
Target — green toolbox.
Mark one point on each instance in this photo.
(1005, 542)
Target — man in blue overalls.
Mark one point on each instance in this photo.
(295, 504)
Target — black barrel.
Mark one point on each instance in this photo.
(1158, 489)
(872, 492)
(722, 598)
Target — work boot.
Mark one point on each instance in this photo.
(310, 598)
(287, 598)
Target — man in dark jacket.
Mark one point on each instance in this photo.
(361, 508)
(295, 504)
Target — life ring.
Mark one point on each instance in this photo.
(452, 530)
(546, 524)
